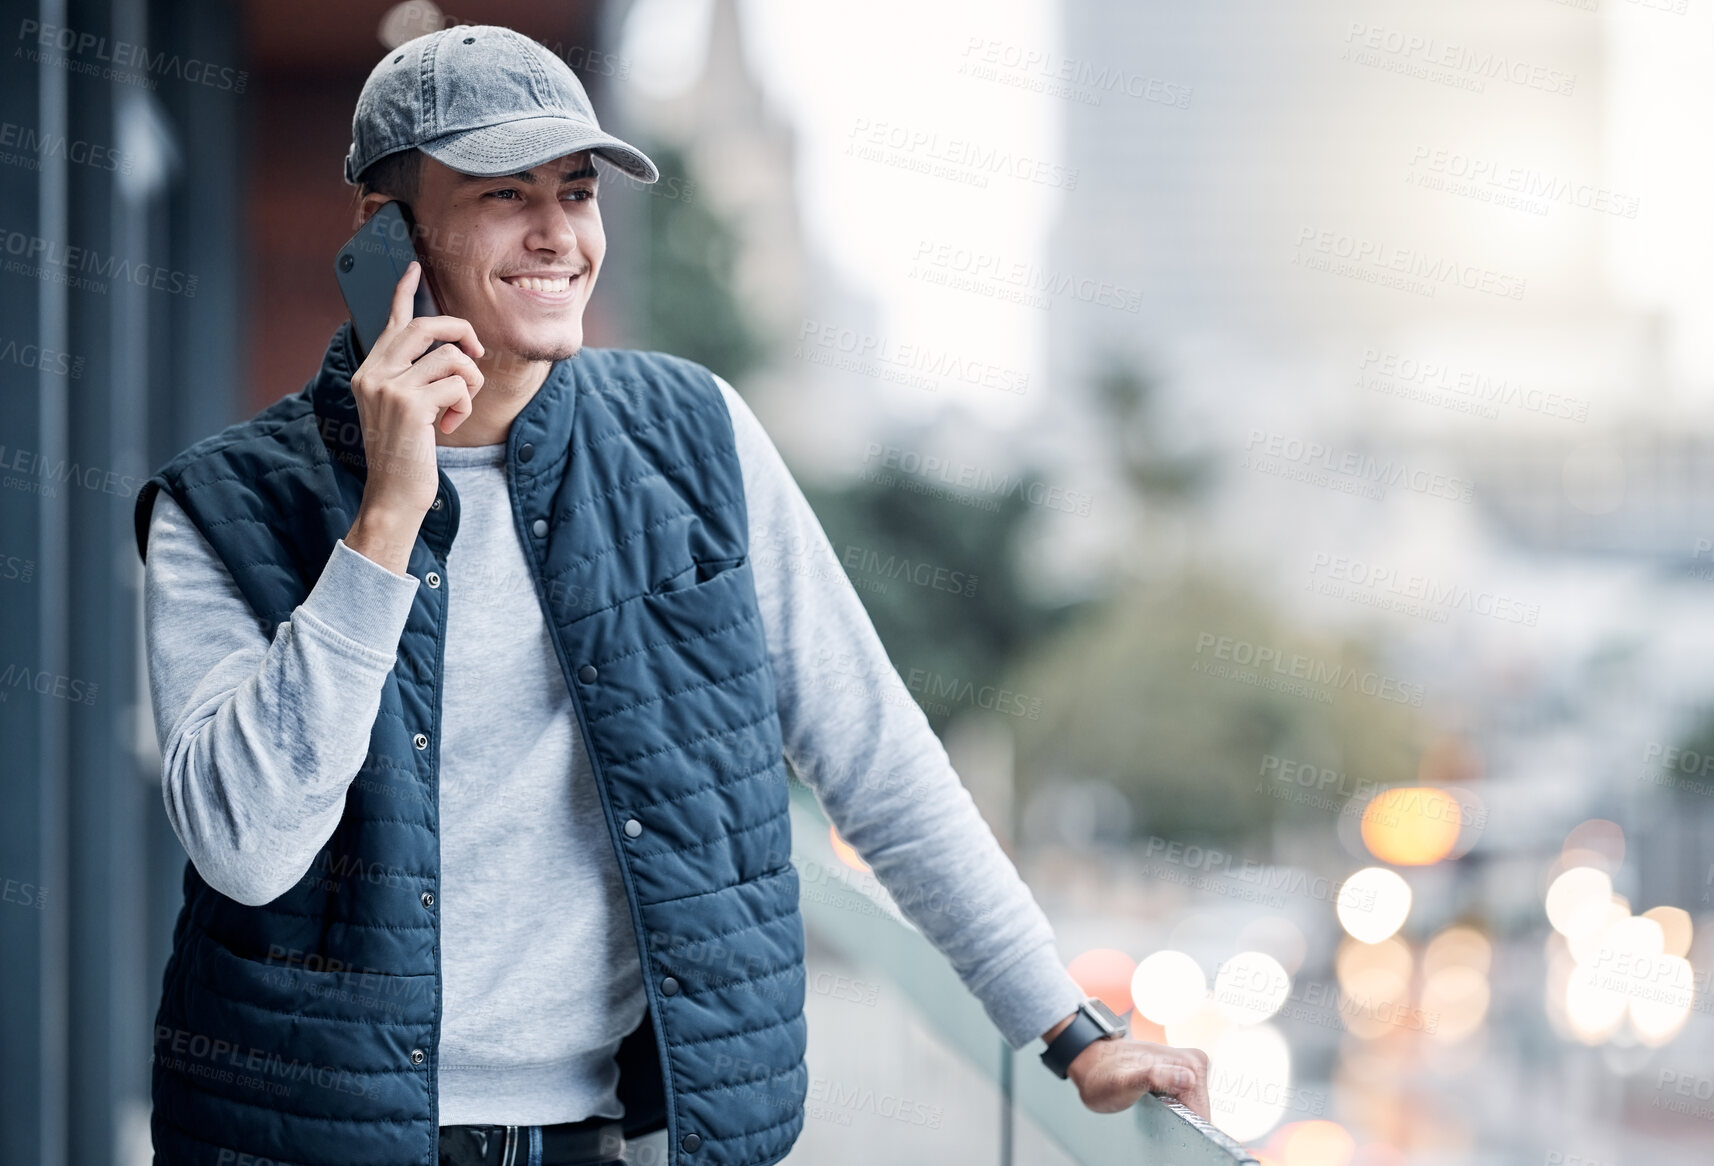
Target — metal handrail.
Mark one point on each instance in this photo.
(875, 936)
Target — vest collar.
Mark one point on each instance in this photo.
(335, 407)
(544, 423)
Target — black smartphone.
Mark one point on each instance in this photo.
(369, 268)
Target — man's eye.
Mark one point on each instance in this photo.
(503, 190)
(582, 195)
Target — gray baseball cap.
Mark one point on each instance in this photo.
(483, 100)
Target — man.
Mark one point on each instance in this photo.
(474, 710)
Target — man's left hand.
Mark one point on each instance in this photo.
(1111, 1075)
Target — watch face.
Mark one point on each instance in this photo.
(1105, 1016)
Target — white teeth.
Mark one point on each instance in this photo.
(532, 283)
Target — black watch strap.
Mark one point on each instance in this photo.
(1093, 1021)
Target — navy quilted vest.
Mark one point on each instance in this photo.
(304, 1031)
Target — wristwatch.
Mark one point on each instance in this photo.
(1093, 1021)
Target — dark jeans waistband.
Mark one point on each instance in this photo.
(583, 1143)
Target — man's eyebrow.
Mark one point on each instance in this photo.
(529, 178)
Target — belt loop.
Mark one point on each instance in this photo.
(535, 1146)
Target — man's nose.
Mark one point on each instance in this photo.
(551, 230)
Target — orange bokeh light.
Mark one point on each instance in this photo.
(1315, 1143)
(1104, 972)
(845, 852)
(1413, 825)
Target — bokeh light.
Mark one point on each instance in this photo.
(1577, 900)
(1659, 1013)
(1374, 969)
(1168, 987)
(1374, 980)
(1458, 947)
(1677, 931)
(1412, 825)
(1249, 1080)
(1205, 1027)
(1608, 927)
(1611, 967)
(845, 852)
(1105, 973)
(1373, 904)
(1250, 987)
(1315, 1143)
(1454, 1002)
(1633, 935)
(1456, 993)
(1594, 1009)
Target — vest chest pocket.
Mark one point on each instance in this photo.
(698, 573)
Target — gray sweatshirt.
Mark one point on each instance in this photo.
(540, 972)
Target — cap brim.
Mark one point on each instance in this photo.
(512, 146)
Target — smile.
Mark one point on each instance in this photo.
(551, 286)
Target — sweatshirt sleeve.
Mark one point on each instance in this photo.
(855, 736)
(260, 739)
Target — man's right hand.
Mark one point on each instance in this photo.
(402, 397)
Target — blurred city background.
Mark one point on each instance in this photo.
(1275, 443)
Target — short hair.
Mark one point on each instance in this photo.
(398, 174)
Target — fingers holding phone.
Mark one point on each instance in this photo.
(404, 393)
(438, 353)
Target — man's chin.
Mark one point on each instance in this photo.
(563, 346)
(556, 352)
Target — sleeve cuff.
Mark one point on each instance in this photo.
(1031, 996)
(361, 603)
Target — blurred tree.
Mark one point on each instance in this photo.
(1122, 705)
(692, 308)
(976, 622)
(949, 638)
(1125, 396)
(1126, 707)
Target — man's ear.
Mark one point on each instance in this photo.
(371, 202)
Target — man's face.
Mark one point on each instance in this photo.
(517, 255)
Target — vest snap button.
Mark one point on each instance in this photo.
(428, 898)
(526, 452)
(669, 987)
(633, 827)
(437, 503)
(418, 1056)
(587, 674)
(690, 1141)
(432, 579)
(539, 528)
(420, 740)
